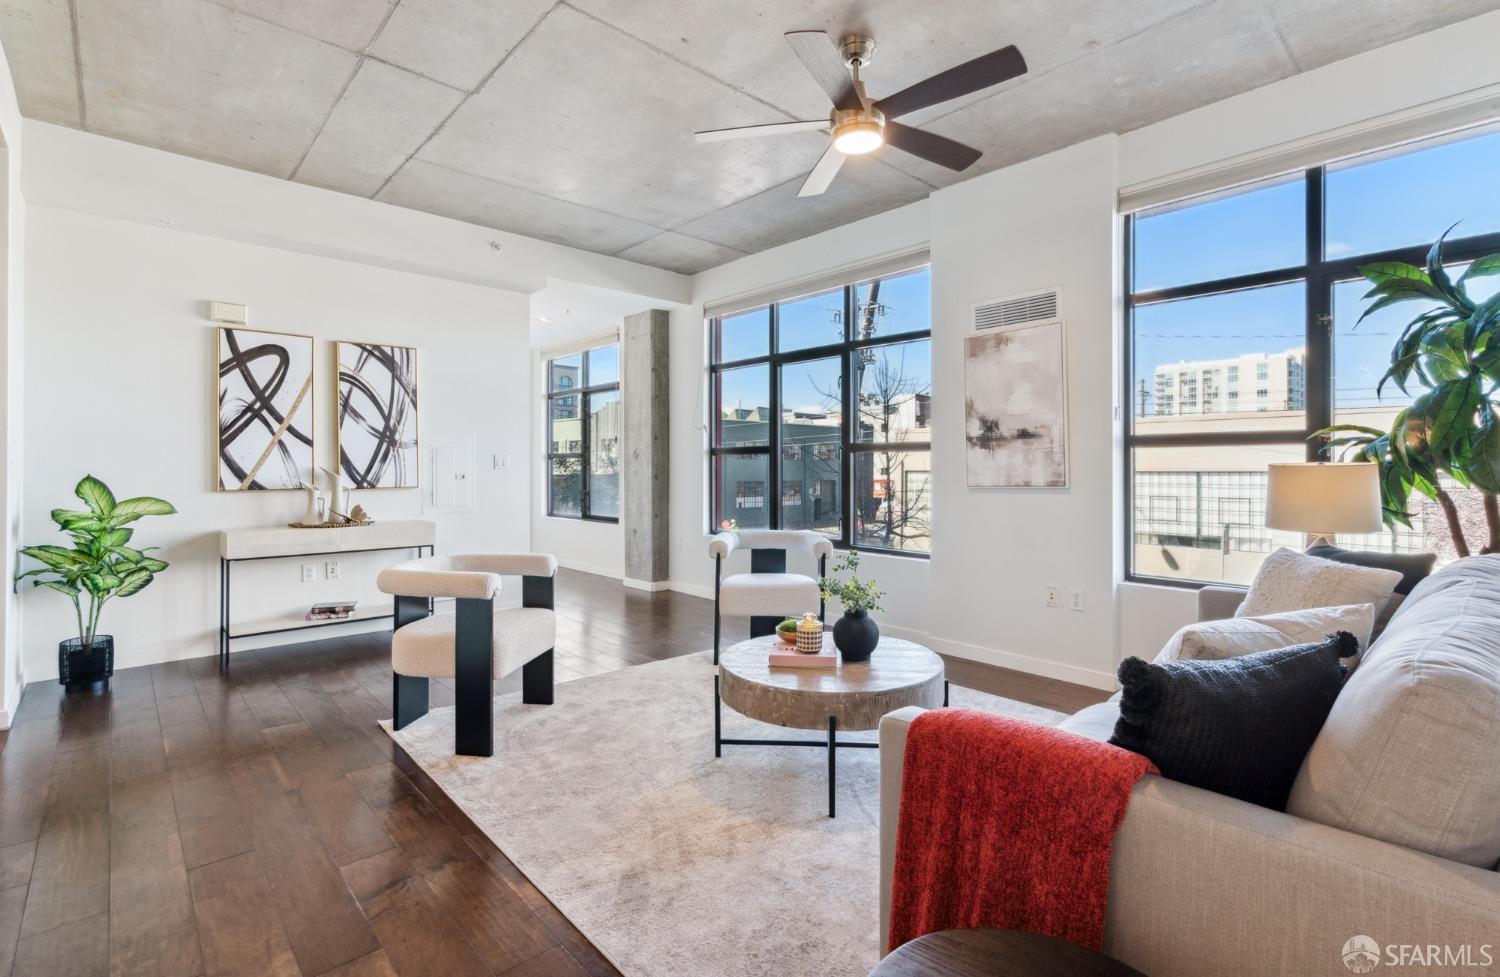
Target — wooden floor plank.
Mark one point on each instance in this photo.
(418, 936)
(15, 866)
(152, 929)
(12, 907)
(70, 872)
(79, 949)
(209, 824)
(322, 921)
(238, 925)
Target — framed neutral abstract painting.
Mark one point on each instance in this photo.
(265, 398)
(377, 415)
(1016, 408)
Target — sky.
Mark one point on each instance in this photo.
(1372, 204)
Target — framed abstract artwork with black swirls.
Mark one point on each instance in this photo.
(377, 414)
(265, 401)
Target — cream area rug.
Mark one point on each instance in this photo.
(674, 863)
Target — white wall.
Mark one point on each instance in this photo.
(116, 314)
(12, 278)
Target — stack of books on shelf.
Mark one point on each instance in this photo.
(332, 611)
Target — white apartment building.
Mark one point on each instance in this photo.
(1249, 382)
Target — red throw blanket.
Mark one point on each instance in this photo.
(1006, 824)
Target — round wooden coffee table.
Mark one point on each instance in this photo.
(852, 696)
(997, 953)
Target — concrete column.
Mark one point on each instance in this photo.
(645, 488)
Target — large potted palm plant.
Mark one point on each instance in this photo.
(1448, 360)
(96, 569)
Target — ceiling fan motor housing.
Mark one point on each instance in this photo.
(857, 47)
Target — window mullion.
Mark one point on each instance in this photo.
(773, 426)
(1318, 374)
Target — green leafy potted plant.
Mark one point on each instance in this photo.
(1450, 354)
(97, 568)
(855, 634)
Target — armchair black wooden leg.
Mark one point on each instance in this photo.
(536, 680)
(761, 625)
(409, 699)
(473, 678)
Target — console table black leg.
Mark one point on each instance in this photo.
(718, 735)
(833, 728)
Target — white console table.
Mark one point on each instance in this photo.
(278, 542)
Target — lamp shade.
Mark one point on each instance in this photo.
(1320, 497)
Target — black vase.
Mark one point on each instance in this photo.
(86, 667)
(855, 635)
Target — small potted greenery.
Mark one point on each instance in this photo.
(96, 569)
(787, 631)
(855, 634)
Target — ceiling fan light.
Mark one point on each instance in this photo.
(858, 138)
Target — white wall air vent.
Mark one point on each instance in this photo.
(1018, 310)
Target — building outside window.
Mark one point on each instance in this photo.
(583, 435)
(1280, 294)
(829, 395)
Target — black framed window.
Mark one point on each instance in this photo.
(828, 395)
(1241, 310)
(583, 435)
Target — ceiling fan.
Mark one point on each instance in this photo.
(859, 125)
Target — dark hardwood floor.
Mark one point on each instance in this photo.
(259, 822)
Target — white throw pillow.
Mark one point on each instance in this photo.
(1236, 636)
(1292, 581)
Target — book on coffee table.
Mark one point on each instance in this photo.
(787, 656)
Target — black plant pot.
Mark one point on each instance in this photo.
(83, 667)
(855, 635)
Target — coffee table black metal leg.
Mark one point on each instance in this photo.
(833, 727)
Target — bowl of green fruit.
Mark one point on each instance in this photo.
(787, 631)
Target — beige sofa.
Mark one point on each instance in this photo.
(1202, 884)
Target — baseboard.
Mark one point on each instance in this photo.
(594, 569)
(693, 590)
(1022, 663)
(13, 700)
(651, 586)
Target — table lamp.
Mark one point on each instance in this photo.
(1324, 498)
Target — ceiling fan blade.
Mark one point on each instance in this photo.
(971, 76)
(931, 146)
(823, 173)
(770, 129)
(822, 60)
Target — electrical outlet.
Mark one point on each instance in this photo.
(332, 569)
(1053, 596)
(309, 572)
(1075, 599)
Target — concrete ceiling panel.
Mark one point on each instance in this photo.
(38, 39)
(1331, 30)
(462, 196)
(585, 114)
(678, 252)
(457, 42)
(385, 114)
(913, 40)
(199, 79)
(348, 23)
(1204, 56)
(864, 186)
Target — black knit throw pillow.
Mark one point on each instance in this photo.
(1240, 726)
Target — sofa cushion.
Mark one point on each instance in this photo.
(1240, 726)
(1413, 567)
(1235, 636)
(1292, 581)
(1097, 722)
(1411, 750)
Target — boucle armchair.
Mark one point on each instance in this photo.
(767, 594)
(477, 644)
